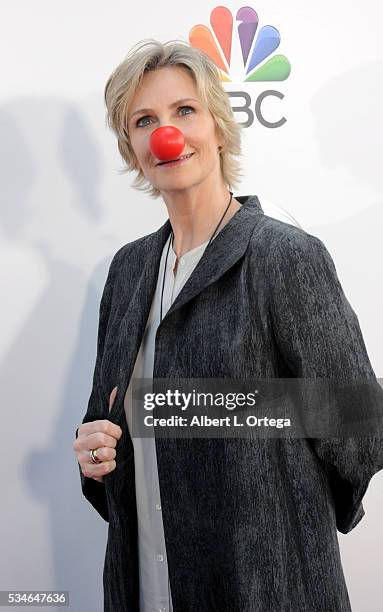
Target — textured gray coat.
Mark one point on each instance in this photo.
(250, 525)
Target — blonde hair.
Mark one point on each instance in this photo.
(148, 55)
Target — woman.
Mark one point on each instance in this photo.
(219, 291)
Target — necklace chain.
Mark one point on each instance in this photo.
(171, 242)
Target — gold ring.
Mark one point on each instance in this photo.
(93, 455)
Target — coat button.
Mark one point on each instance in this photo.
(160, 557)
(158, 506)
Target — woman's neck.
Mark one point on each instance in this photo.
(193, 221)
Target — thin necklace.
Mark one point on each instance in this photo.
(171, 241)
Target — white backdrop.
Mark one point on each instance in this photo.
(65, 210)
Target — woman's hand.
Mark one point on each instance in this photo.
(103, 435)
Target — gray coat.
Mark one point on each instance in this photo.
(250, 525)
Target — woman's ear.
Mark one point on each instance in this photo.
(220, 139)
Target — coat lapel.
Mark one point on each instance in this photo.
(223, 252)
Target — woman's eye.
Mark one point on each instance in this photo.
(187, 107)
(139, 121)
(138, 124)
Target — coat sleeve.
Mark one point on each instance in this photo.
(93, 490)
(318, 336)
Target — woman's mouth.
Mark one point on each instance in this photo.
(176, 162)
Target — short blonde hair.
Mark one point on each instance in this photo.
(151, 54)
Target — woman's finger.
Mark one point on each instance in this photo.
(91, 471)
(112, 398)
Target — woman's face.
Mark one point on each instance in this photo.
(169, 97)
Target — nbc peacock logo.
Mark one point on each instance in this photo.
(246, 58)
(257, 46)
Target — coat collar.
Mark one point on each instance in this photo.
(221, 254)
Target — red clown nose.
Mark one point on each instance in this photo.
(166, 142)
